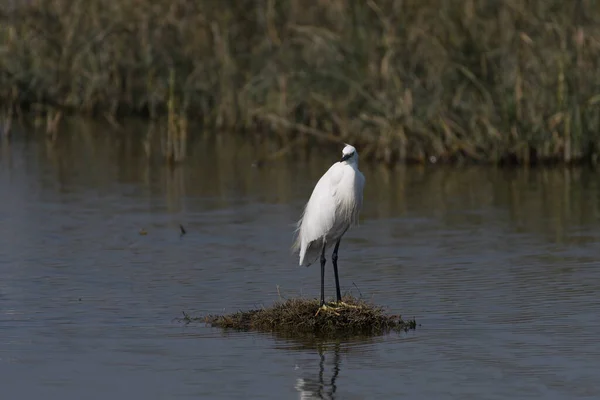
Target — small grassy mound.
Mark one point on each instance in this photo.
(303, 316)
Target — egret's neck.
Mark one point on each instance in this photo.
(353, 163)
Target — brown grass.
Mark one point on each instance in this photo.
(300, 317)
(417, 80)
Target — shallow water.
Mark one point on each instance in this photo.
(500, 267)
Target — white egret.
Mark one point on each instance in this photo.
(333, 207)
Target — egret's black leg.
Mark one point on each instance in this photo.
(323, 275)
(334, 258)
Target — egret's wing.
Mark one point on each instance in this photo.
(319, 214)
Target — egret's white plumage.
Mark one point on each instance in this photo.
(333, 207)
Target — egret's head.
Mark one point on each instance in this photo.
(349, 154)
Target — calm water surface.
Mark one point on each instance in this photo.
(500, 267)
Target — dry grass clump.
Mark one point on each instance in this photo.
(302, 316)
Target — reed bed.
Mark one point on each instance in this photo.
(494, 81)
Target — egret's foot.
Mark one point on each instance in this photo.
(326, 308)
(341, 304)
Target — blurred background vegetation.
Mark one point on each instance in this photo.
(494, 81)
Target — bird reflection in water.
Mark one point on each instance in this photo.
(321, 388)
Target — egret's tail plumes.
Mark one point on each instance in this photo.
(297, 245)
(307, 251)
(310, 253)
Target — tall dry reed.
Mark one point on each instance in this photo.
(414, 80)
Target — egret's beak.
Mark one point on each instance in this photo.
(345, 157)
